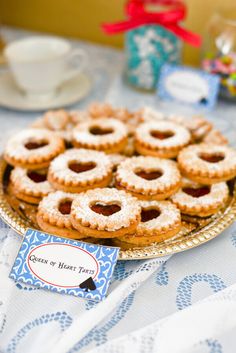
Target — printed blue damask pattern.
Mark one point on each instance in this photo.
(3, 225)
(106, 256)
(3, 235)
(233, 239)
(63, 319)
(184, 290)
(213, 345)
(26, 288)
(121, 272)
(99, 333)
(162, 276)
(90, 304)
(3, 323)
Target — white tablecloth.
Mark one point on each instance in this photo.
(185, 303)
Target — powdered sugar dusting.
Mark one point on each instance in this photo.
(15, 147)
(49, 205)
(148, 114)
(189, 159)
(217, 195)
(169, 217)
(25, 185)
(129, 212)
(169, 178)
(56, 119)
(116, 159)
(181, 135)
(82, 135)
(59, 167)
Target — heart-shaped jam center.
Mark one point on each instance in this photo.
(105, 210)
(212, 157)
(33, 145)
(81, 167)
(97, 130)
(149, 214)
(36, 176)
(65, 207)
(161, 135)
(149, 175)
(197, 192)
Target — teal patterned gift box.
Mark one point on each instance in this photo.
(152, 38)
(147, 49)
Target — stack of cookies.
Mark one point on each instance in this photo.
(112, 173)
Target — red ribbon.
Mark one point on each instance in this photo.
(138, 16)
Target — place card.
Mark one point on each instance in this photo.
(65, 266)
(188, 85)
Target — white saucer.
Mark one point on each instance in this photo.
(70, 92)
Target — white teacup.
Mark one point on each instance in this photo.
(41, 64)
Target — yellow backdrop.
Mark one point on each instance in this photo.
(82, 18)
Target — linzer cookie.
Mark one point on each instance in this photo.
(215, 137)
(104, 110)
(105, 213)
(146, 114)
(113, 182)
(208, 163)
(198, 126)
(33, 148)
(161, 139)
(100, 110)
(54, 215)
(160, 220)
(129, 150)
(129, 119)
(148, 178)
(56, 119)
(200, 200)
(122, 114)
(60, 122)
(105, 134)
(77, 170)
(30, 185)
(116, 159)
(78, 116)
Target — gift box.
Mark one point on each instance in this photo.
(147, 48)
(152, 38)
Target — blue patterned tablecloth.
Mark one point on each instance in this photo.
(184, 303)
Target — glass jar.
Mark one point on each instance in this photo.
(147, 48)
(219, 50)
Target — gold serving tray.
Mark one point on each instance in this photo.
(195, 231)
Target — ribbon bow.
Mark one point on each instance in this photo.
(138, 16)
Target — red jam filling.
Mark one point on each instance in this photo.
(96, 130)
(81, 167)
(65, 207)
(149, 214)
(155, 174)
(212, 157)
(33, 145)
(161, 135)
(105, 210)
(36, 176)
(197, 192)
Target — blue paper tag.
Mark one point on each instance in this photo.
(64, 266)
(187, 85)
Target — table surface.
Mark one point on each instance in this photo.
(171, 284)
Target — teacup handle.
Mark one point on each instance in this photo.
(78, 59)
